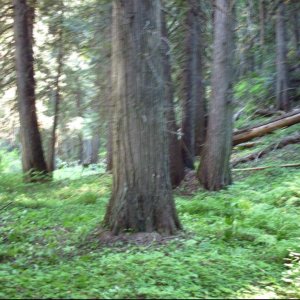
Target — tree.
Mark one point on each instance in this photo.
(190, 81)
(296, 29)
(32, 153)
(141, 198)
(175, 156)
(214, 170)
(282, 85)
(57, 93)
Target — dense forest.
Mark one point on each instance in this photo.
(150, 149)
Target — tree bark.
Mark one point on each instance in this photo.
(175, 157)
(188, 98)
(214, 171)
(95, 146)
(245, 135)
(141, 198)
(199, 89)
(296, 28)
(282, 84)
(109, 152)
(33, 161)
(262, 22)
(51, 154)
(80, 115)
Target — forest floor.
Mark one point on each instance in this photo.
(242, 242)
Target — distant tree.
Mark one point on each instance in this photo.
(214, 170)
(57, 92)
(141, 198)
(32, 153)
(189, 83)
(282, 85)
(175, 156)
(296, 25)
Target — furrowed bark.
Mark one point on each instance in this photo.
(33, 161)
(141, 198)
(175, 157)
(214, 171)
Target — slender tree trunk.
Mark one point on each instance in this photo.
(51, 154)
(32, 153)
(142, 198)
(262, 27)
(262, 22)
(193, 115)
(95, 145)
(188, 107)
(199, 90)
(175, 157)
(80, 115)
(296, 24)
(214, 171)
(282, 85)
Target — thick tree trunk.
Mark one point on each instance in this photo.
(51, 153)
(282, 84)
(214, 171)
(175, 157)
(32, 153)
(245, 135)
(142, 198)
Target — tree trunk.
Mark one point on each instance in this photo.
(262, 22)
(296, 24)
(190, 74)
(214, 171)
(109, 153)
(33, 161)
(199, 90)
(51, 154)
(175, 157)
(141, 198)
(282, 85)
(95, 145)
(80, 115)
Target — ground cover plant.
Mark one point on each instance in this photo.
(238, 243)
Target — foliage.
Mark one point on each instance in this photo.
(234, 245)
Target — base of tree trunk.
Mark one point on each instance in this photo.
(138, 213)
(107, 238)
(31, 177)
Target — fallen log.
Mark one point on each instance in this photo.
(268, 167)
(248, 134)
(278, 145)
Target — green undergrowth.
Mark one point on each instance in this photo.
(236, 243)
(288, 154)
